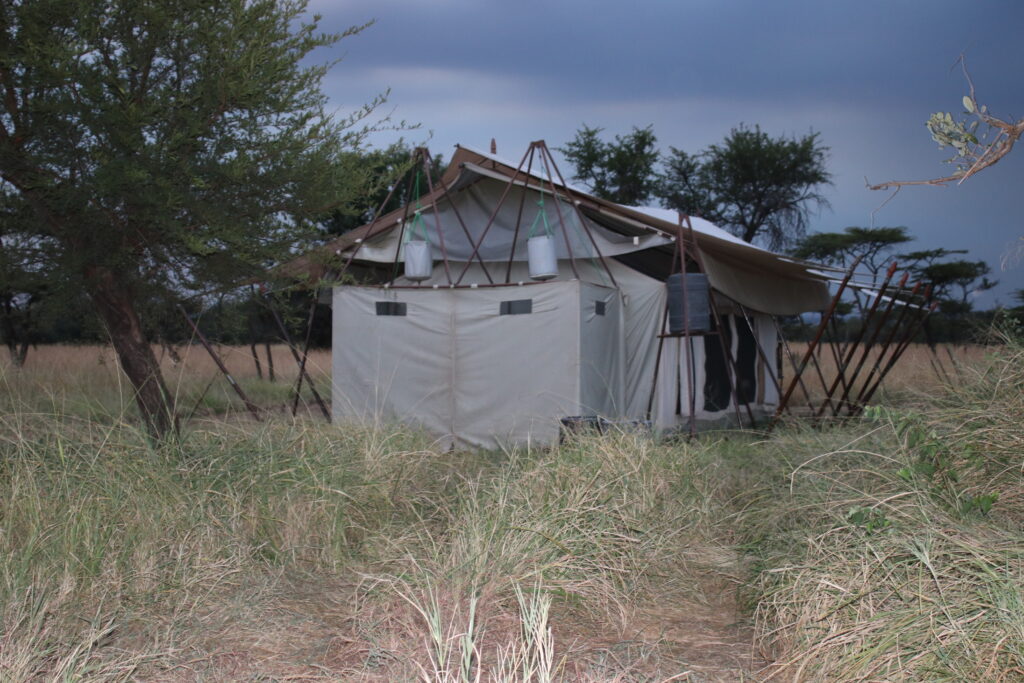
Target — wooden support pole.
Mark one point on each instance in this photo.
(886, 345)
(845, 397)
(305, 354)
(298, 361)
(817, 338)
(852, 350)
(220, 364)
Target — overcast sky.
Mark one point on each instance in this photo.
(865, 75)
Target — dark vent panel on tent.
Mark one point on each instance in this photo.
(390, 308)
(516, 307)
(599, 307)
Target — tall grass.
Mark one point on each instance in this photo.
(887, 548)
(111, 550)
(893, 549)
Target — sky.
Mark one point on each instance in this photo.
(864, 75)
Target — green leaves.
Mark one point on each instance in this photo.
(757, 186)
(622, 171)
(952, 133)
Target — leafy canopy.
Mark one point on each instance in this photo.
(167, 146)
(622, 171)
(871, 245)
(757, 186)
(177, 141)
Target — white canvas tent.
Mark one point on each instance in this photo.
(481, 355)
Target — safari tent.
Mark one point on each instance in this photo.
(449, 316)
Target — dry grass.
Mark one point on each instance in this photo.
(85, 380)
(300, 550)
(883, 549)
(920, 372)
(893, 550)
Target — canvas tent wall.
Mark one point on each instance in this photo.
(470, 367)
(481, 355)
(479, 367)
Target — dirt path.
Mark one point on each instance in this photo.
(323, 631)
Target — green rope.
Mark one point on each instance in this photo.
(542, 215)
(417, 221)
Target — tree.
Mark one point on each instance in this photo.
(166, 146)
(953, 281)
(379, 170)
(869, 248)
(21, 289)
(756, 186)
(622, 171)
(871, 245)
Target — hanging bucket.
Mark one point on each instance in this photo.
(697, 303)
(419, 262)
(541, 254)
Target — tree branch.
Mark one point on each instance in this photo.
(972, 156)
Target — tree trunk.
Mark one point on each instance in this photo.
(270, 362)
(9, 333)
(116, 308)
(21, 355)
(252, 347)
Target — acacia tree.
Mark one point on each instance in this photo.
(871, 246)
(164, 145)
(623, 171)
(954, 281)
(757, 186)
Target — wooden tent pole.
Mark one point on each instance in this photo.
(220, 365)
(886, 345)
(576, 208)
(494, 215)
(690, 389)
(730, 364)
(904, 343)
(817, 338)
(852, 349)
(519, 219)
(428, 164)
(845, 397)
(305, 353)
(554, 196)
(295, 354)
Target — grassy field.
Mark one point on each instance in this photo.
(888, 548)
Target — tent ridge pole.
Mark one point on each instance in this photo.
(519, 220)
(494, 214)
(579, 215)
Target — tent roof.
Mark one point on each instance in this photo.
(469, 166)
